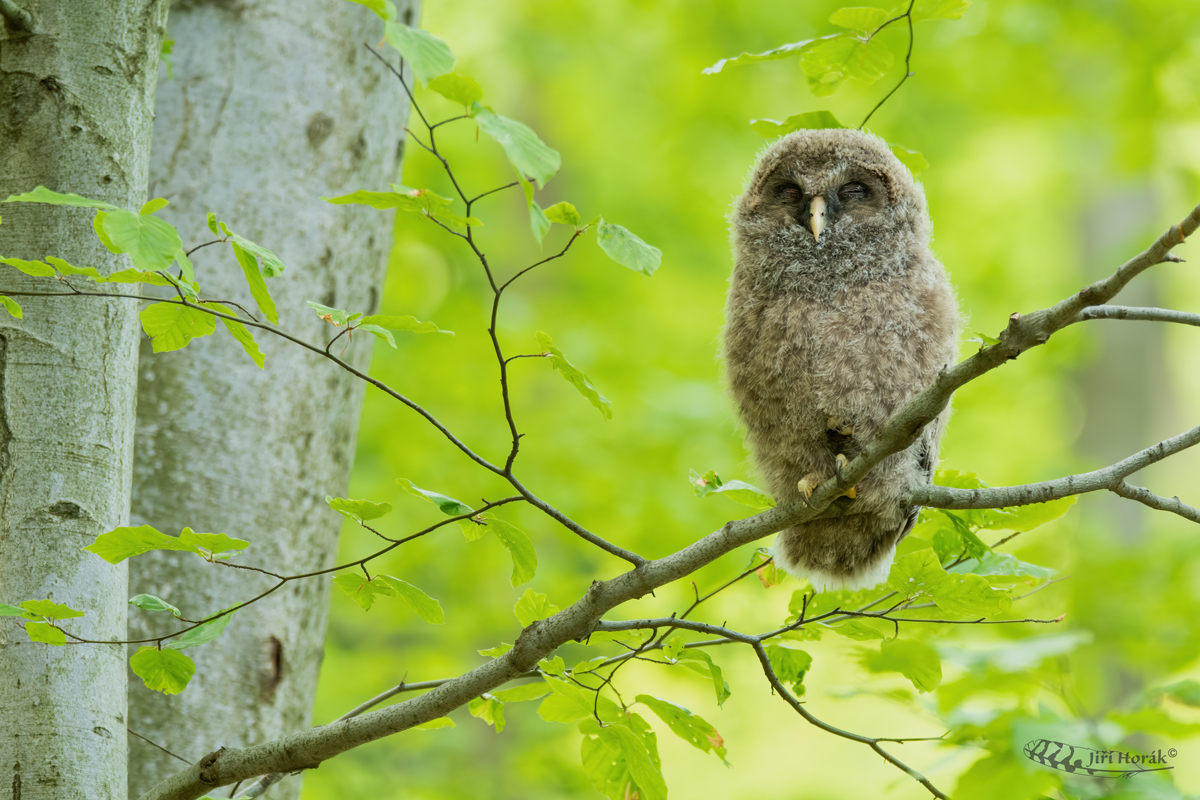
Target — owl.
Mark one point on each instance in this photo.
(838, 313)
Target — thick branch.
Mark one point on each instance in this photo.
(1107, 478)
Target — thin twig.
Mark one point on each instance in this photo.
(908, 73)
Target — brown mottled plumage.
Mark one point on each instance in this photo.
(825, 338)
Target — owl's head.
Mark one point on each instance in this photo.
(833, 200)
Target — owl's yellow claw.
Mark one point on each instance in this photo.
(837, 426)
(807, 484)
(839, 464)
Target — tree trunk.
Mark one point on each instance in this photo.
(77, 78)
(273, 104)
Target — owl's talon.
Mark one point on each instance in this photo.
(806, 486)
(839, 464)
(837, 426)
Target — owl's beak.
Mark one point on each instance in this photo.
(817, 217)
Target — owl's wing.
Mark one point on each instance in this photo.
(927, 463)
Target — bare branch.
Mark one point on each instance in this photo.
(1174, 505)
(1143, 314)
(1097, 480)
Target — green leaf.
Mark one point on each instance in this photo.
(790, 666)
(254, 279)
(11, 611)
(418, 201)
(358, 510)
(939, 9)
(829, 62)
(856, 629)
(66, 268)
(1026, 518)
(448, 505)
(202, 634)
(1149, 720)
(334, 316)
(43, 195)
(240, 333)
(539, 223)
(859, 19)
(646, 775)
(49, 609)
(533, 606)
(171, 326)
(211, 220)
(1003, 564)
(440, 722)
(490, 710)
(38, 269)
(379, 200)
(364, 591)
(701, 663)
(737, 491)
(122, 543)
(915, 162)
(919, 571)
(517, 694)
(1186, 691)
(553, 666)
(474, 528)
(426, 607)
(150, 206)
(983, 339)
(692, 728)
(11, 306)
(970, 595)
(148, 602)
(386, 10)
(628, 250)
(457, 89)
(497, 651)
(429, 56)
(574, 376)
(811, 120)
(98, 227)
(402, 323)
(150, 242)
(518, 545)
(783, 51)
(525, 151)
(588, 665)
(135, 276)
(210, 544)
(957, 479)
(564, 214)
(568, 703)
(46, 633)
(166, 671)
(915, 660)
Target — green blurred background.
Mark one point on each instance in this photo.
(1062, 137)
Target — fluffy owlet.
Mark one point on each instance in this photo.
(838, 313)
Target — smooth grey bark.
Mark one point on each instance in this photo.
(274, 103)
(77, 78)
